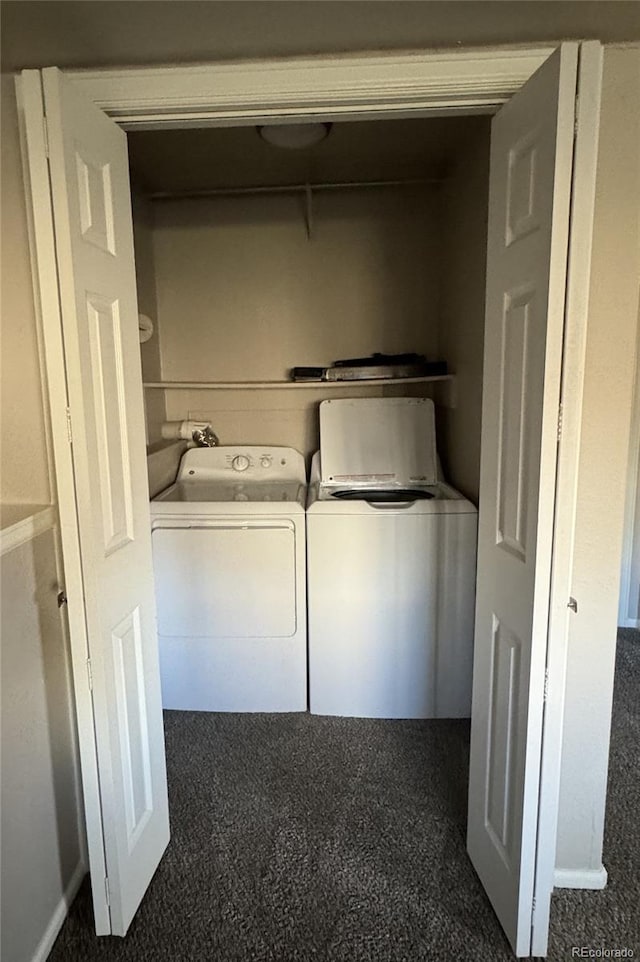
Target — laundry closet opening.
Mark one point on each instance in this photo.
(255, 257)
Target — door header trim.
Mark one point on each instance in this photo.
(369, 85)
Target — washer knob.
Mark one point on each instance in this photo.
(265, 461)
(240, 462)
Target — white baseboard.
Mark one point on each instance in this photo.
(55, 924)
(594, 878)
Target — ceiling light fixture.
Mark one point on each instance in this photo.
(294, 136)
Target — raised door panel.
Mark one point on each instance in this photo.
(129, 684)
(110, 418)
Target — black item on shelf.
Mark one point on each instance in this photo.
(377, 359)
(307, 373)
(388, 371)
(377, 367)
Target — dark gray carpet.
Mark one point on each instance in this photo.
(298, 838)
(611, 918)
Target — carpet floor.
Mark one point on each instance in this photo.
(298, 838)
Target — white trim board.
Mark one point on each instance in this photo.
(59, 914)
(32, 520)
(368, 85)
(566, 878)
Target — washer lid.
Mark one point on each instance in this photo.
(378, 442)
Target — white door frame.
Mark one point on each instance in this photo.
(371, 85)
(367, 86)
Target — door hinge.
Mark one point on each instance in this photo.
(546, 685)
(533, 911)
(559, 421)
(575, 116)
(573, 604)
(69, 432)
(89, 674)
(106, 890)
(45, 136)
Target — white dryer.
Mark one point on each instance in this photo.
(229, 559)
(391, 562)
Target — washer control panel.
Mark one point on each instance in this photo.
(251, 463)
(259, 464)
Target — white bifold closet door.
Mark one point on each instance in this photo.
(532, 145)
(127, 816)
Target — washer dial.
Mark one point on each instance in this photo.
(240, 462)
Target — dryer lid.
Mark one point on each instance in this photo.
(378, 442)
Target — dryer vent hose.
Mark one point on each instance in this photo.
(199, 432)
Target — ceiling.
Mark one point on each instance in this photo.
(94, 33)
(183, 161)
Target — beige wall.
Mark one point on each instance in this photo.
(465, 206)
(244, 295)
(98, 34)
(147, 304)
(611, 346)
(24, 475)
(41, 850)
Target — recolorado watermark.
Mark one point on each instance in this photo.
(588, 952)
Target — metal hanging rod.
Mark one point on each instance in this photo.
(289, 188)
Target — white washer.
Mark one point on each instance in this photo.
(229, 558)
(391, 559)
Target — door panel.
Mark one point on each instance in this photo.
(107, 367)
(530, 189)
(94, 246)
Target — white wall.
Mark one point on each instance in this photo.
(611, 347)
(465, 206)
(244, 295)
(41, 853)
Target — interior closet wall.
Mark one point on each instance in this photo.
(243, 295)
(465, 204)
(147, 304)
